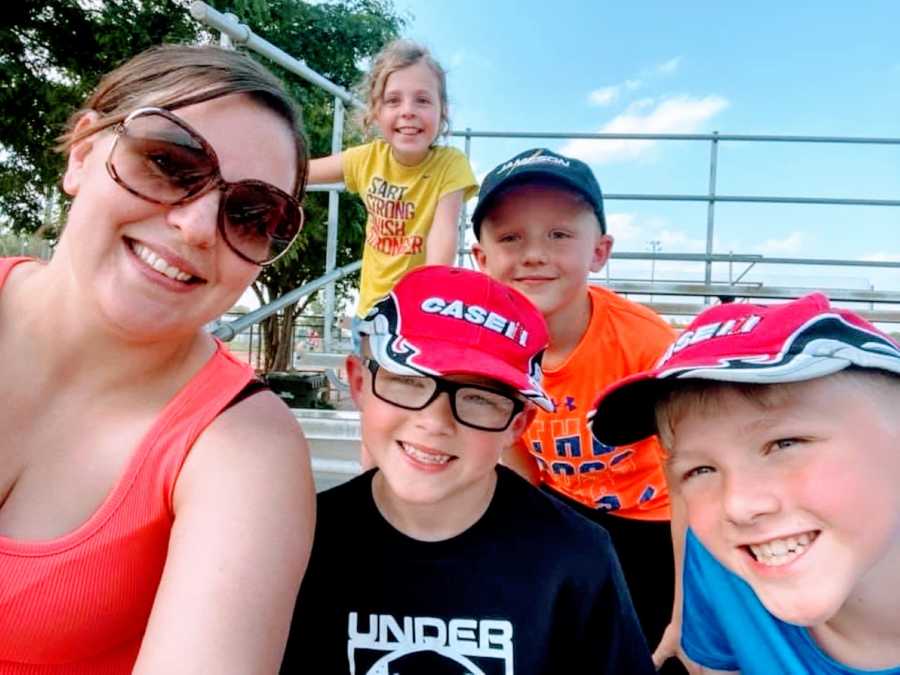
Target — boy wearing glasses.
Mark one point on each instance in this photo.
(439, 560)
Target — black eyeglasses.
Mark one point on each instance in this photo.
(474, 406)
(156, 156)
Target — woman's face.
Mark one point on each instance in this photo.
(157, 270)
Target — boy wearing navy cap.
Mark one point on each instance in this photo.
(541, 229)
(439, 560)
(783, 434)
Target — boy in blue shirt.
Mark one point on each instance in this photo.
(782, 425)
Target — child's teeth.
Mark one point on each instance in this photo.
(781, 551)
(426, 457)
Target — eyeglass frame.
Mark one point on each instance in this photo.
(216, 181)
(450, 387)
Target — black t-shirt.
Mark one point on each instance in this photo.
(531, 588)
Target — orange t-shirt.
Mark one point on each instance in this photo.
(622, 338)
(79, 604)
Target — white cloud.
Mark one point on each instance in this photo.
(633, 232)
(678, 114)
(673, 241)
(641, 104)
(789, 244)
(672, 115)
(624, 228)
(604, 95)
(669, 67)
(882, 257)
(460, 59)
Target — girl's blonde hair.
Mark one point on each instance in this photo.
(395, 56)
(177, 76)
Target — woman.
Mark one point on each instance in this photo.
(156, 508)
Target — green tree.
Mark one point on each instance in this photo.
(53, 52)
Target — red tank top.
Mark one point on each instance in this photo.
(79, 604)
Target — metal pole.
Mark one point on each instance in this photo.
(227, 331)
(655, 246)
(711, 209)
(242, 35)
(337, 142)
(224, 38)
(463, 215)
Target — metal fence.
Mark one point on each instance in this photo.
(880, 304)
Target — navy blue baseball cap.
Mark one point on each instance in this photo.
(540, 165)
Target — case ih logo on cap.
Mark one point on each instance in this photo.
(441, 320)
(742, 343)
(716, 329)
(479, 316)
(823, 345)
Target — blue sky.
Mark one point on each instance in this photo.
(800, 68)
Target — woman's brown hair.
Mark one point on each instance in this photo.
(177, 76)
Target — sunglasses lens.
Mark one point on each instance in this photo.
(259, 221)
(161, 161)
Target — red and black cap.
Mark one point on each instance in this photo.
(443, 320)
(738, 342)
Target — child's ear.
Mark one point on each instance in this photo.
(522, 420)
(603, 244)
(480, 257)
(78, 153)
(355, 378)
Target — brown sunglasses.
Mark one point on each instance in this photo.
(158, 157)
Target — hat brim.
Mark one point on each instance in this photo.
(529, 175)
(445, 358)
(809, 347)
(625, 412)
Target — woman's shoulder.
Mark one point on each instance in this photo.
(256, 443)
(262, 420)
(7, 264)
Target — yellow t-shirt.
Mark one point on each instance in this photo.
(400, 202)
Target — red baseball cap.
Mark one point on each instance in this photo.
(443, 320)
(738, 342)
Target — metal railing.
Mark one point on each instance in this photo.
(237, 33)
(712, 197)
